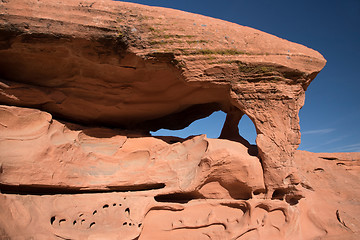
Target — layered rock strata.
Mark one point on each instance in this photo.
(82, 85)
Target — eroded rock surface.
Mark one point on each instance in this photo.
(65, 181)
(81, 85)
(132, 66)
(39, 152)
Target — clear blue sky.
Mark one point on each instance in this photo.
(330, 118)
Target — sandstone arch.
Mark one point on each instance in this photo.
(80, 91)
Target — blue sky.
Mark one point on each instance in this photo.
(330, 118)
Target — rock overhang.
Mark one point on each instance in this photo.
(114, 63)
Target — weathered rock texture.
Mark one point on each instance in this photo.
(131, 66)
(64, 181)
(83, 83)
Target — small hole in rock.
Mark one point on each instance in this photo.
(127, 210)
(259, 191)
(74, 222)
(120, 204)
(83, 220)
(125, 223)
(129, 224)
(114, 204)
(139, 225)
(279, 194)
(94, 212)
(52, 219)
(62, 220)
(340, 164)
(106, 206)
(293, 201)
(92, 224)
(81, 214)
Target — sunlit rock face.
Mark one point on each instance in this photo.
(82, 84)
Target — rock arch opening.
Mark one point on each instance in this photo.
(247, 129)
(235, 126)
(211, 126)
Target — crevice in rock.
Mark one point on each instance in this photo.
(200, 226)
(307, 186)
(55, 190)
(340, 220)
(178, 197)
(62, 237)
(329, 158)
(142, 187)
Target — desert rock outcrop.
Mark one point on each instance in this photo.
(132, 66)
(83, 83)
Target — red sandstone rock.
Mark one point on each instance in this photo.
(39, 152)
(154, 68)
(90, 183)
(136, 68)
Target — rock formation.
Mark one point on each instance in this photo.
(82, 85)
